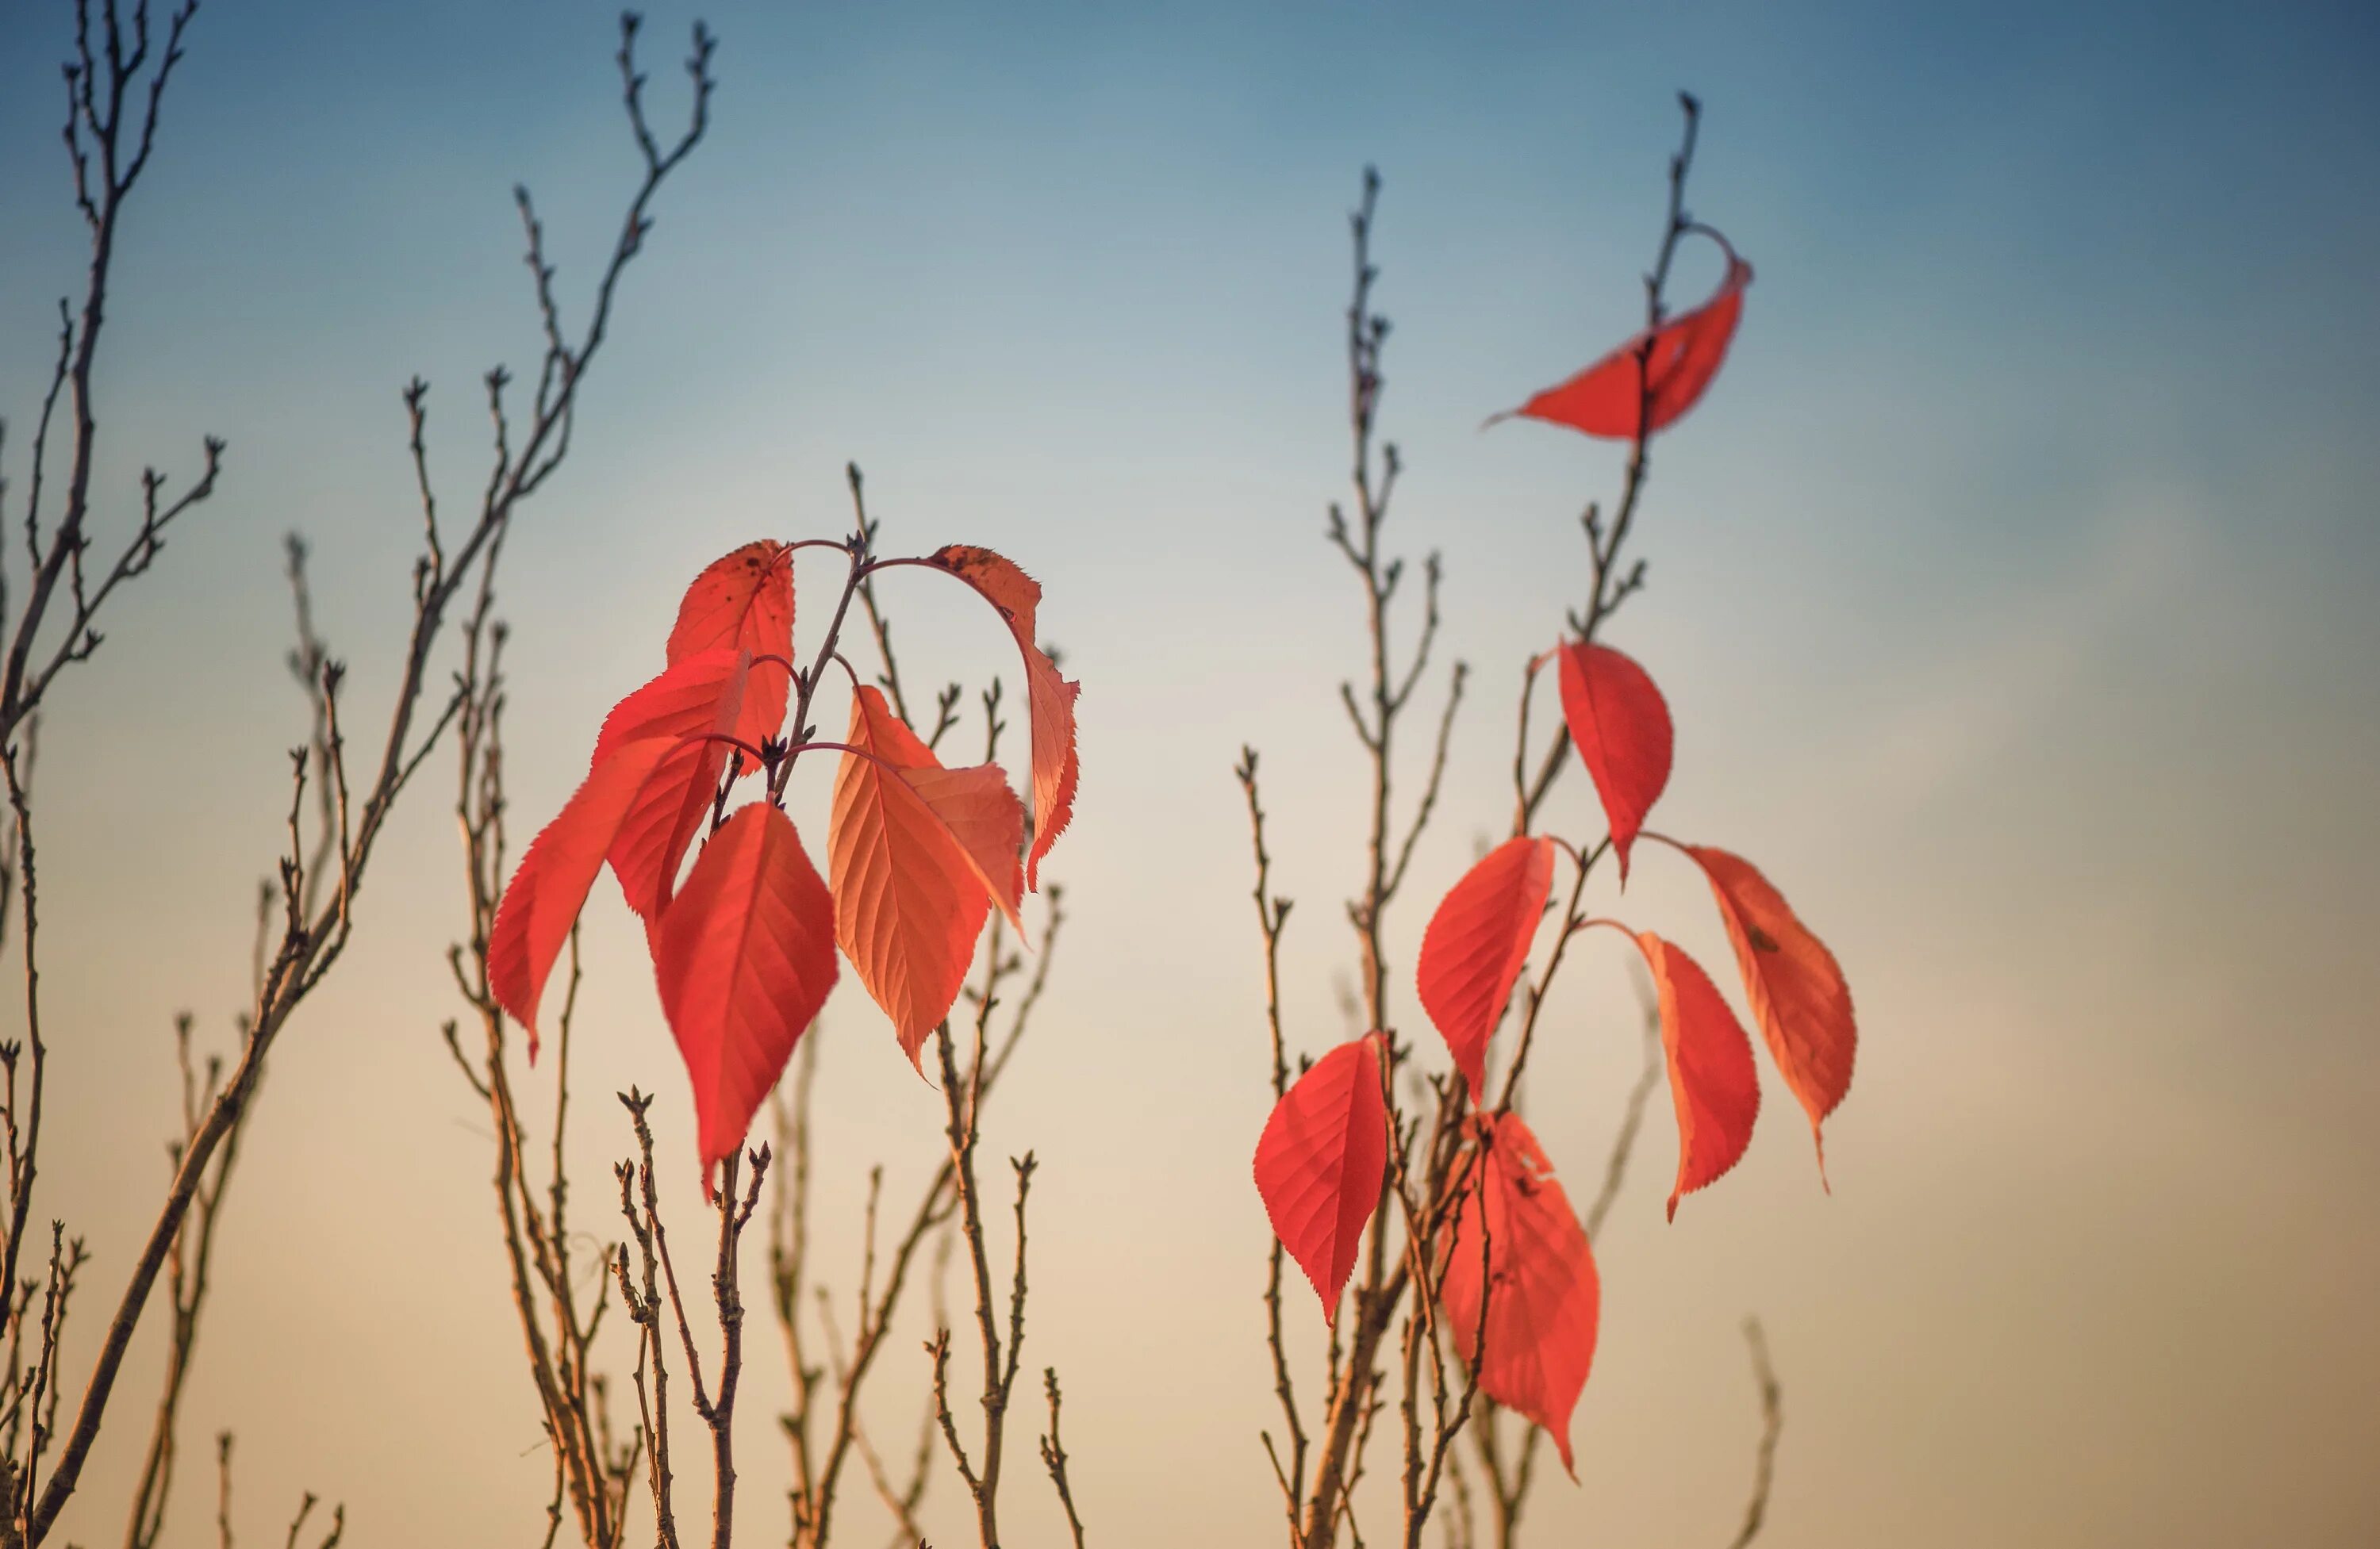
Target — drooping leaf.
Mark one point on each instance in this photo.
(1475, 945)
(911, 892)
(1795, 987)
(1712, 1084)
(1055, 765)
(1321, 1164)
(744, 600)
(704, 692)
(680, 702)
(745, 960)
(549, 886)
(1633, 385)
(981, 808)
(1542, 1298)
(1621, 727)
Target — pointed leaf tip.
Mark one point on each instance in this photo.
(1475, 945)
(1620, 726)
(1543, 1296)
(1322, 1162)
(1713, 1086)
(1665, 372)
(745, 959)
(1795, 987)
(549, 886)
(918, 855)
(1056, 766)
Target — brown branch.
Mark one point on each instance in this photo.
(223, 1489)
(1272, 914)
(1772, 1424)
(1339, 1462)
(814, 1503)
(1610, 586)
(1054, 1454)
(193, 1254)
(644, 1310)
(104, 100)
(312, 944)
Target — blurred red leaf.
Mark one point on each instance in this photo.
(1321, 1163)
(745, 960)
(1621, 727)
(1795, 987)
(911, 892)
(549, 886)
(1613, 396)
(1543, 1299)
(745, 602)
(1475, 945)
(1712, 1084)
(1055, 765)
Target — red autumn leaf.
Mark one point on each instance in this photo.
(549, 886)
(1613, 396)
(1055, 765)
(745, 960)
(1543, 1295)
(1712, 1084)
(1621, 727)
(1796, 988)
(705, 692)
(745, 602)
(1322, 1161)
(980, 809)
(1476, 944)
(915, 869)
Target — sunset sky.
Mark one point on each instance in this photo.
(2012, 590)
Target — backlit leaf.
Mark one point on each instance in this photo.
(745, 602)
(1542, 1298)
(1712, 1084)
(549, 886)
(912, 889)
(1321, 1163)
(1475, 945)
(1611, 398)
(1621, 727)
(745, 958)
(1796, 989)
(1055, 765)
(701, 693)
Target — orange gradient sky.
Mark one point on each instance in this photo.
(2011, 590)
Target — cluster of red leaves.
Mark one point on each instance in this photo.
(1514, 1266)
(744, 948)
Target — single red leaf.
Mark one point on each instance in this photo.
(745, 602)
(549, 886)
(1796, 988)
(1613, 396)
(745, 960)
(1055, 764)
(1322, 1162)
(700, 698)
(1475, 945)
(1712, 1084)
(1543, 1297)
(910, 893)
(1621, 727)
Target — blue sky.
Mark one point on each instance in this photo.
(2012, 590)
